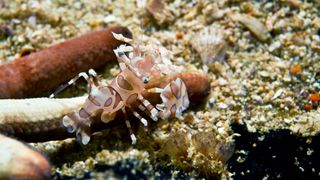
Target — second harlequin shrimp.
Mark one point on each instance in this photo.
(137, 64)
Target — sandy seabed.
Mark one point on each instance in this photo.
(262, 59)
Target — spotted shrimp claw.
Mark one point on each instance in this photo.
(174, 99)
(75, 123)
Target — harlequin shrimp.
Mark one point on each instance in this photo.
(137, 64)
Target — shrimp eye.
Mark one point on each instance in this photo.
(145, 80)
(120, 53)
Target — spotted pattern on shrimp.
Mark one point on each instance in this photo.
(127, 88)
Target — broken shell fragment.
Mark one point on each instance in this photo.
(292, 3)
(158, 11)
(18, 161)
(256, 27)
(210, 44)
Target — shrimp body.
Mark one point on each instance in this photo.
(125, 91)
(128, 86)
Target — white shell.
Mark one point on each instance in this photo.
(210, 44)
